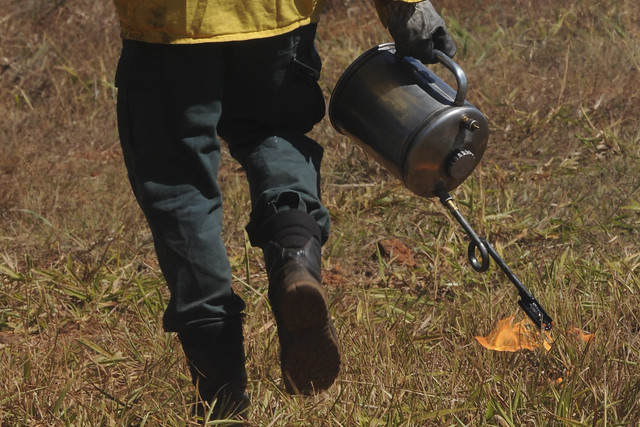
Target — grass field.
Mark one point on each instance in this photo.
(557, 193)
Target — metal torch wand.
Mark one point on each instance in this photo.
(527, 302)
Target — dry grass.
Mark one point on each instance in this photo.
(557, 194)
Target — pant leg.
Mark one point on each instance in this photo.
(169, 104)
(271, 100)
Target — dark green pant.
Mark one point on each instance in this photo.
(261, 97)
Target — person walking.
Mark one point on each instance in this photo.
(192, 73)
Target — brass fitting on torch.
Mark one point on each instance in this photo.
(469, 123)
(450, 205)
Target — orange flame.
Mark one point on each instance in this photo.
(510, 336)
(586, 337)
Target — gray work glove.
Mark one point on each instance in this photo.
(417, 30)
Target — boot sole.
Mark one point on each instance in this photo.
(309, 353)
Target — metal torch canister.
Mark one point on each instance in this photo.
(410, 120)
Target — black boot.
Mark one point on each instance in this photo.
(215, 354)
(309, 349)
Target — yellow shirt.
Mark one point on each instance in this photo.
(200, 21)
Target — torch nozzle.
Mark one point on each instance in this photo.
(527, 302)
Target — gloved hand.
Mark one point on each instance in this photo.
(417, 30)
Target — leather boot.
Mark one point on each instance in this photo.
(309, 348)
(215, 355)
